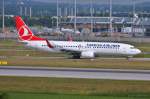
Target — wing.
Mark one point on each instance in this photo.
(62, 49)
(70, 51)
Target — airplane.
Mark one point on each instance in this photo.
(78, 49)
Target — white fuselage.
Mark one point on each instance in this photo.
(95, 48)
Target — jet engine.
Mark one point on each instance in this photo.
(87, 54)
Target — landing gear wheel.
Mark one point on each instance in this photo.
(76, 57)
(129, 58)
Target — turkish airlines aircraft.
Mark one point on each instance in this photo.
(77, 49)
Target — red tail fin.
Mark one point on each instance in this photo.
(23, 30)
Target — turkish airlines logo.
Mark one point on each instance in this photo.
(25, 33)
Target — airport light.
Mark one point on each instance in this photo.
(30, 8)
(91, 9)
(75, 15)
(25, 11)
(66, 11)
(133, 2)
(57, 14)
(72, 11)
(3, 12)
(21, 7)
(133, 7)
(110, 12)
(30, 12)
(21, 10)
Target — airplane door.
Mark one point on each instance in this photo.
(79, 46)
(124, 50)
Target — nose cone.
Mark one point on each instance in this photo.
(134, 51)
(138, 51)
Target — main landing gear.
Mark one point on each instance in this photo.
(76, 56)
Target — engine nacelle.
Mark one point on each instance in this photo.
(87, 54)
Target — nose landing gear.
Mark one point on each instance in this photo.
(129, 58)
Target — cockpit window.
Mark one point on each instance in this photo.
(132, 48)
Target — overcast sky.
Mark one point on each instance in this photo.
(97, 1)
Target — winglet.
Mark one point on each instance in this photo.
(48, 44)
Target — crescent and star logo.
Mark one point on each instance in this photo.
(24, 33)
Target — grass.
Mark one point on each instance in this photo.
(144, 47)
(32, 53)
(73, 86)
(62, 88)
(143, 55)
(64, 96)
(11, 44)
(77, 63)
